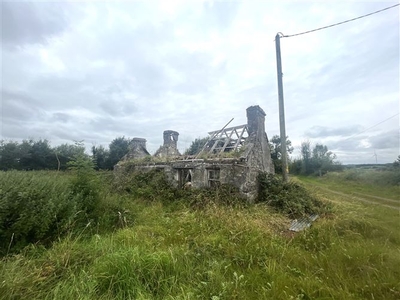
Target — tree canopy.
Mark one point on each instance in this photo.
(40, 155)
(276, 151)
(316, 161)
(196, 146)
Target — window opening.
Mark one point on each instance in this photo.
(184, 176)
(213, 178)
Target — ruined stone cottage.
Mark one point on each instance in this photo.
(233, 155)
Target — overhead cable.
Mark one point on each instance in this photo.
(372, 126)
(332, 25)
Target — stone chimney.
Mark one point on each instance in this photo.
(170, 146)
(171, 138)
(257, 150)
(137, 149)
(138, 143)
(256, 121)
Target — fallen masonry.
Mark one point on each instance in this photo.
(234, 155)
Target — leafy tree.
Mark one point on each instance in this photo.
(66, 152)
(196, 146)
(118, 148)
(323, 160)
(317, 161)
(9, 155)
(100, 157)
(41, 156)
(276, 151)
(36, 155)
(25, 154)
(306, 167)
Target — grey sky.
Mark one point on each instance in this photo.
(94, 71)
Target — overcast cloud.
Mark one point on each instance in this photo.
(95, 71)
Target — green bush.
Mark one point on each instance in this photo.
(224, 194)
(149, 186)
(290, 198)
(154, 186)
(38, 207)
(34, 207)
(84, 185)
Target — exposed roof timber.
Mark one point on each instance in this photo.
(225, 137)
(227, 129)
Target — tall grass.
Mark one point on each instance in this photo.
(216, 250)
(378, 177)
(42, 206)
(34, 206)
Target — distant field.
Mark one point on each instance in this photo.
(350, 191)
(173, 250)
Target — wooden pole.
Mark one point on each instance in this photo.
(281, 109)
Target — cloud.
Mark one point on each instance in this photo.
(386, 140)
(26, 23)
(20, 107)
(96, 71)
(61, 117)
(323, 131)
(221, 13)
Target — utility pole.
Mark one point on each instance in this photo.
(281, 109)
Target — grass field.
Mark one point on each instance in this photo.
(361, 189)
(172, 250)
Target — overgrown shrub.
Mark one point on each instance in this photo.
(34, 207)
(150, 186)
(224, 194)
(154, 186)
(39, 207)
(84, 185)
(289, 198)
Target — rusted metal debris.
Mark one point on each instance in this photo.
(303, 223)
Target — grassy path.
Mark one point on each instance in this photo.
(348, 192)
(379, 198)
(381, 203)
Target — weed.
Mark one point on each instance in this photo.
(210, 249)
(289, 198)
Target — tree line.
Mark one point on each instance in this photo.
(40, 155)
(317, 160)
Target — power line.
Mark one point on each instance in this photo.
(332, 25)
(372, 126)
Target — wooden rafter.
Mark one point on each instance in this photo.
(227, 139)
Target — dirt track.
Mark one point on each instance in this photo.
(352, 197)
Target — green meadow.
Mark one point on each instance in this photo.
(89, 235)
